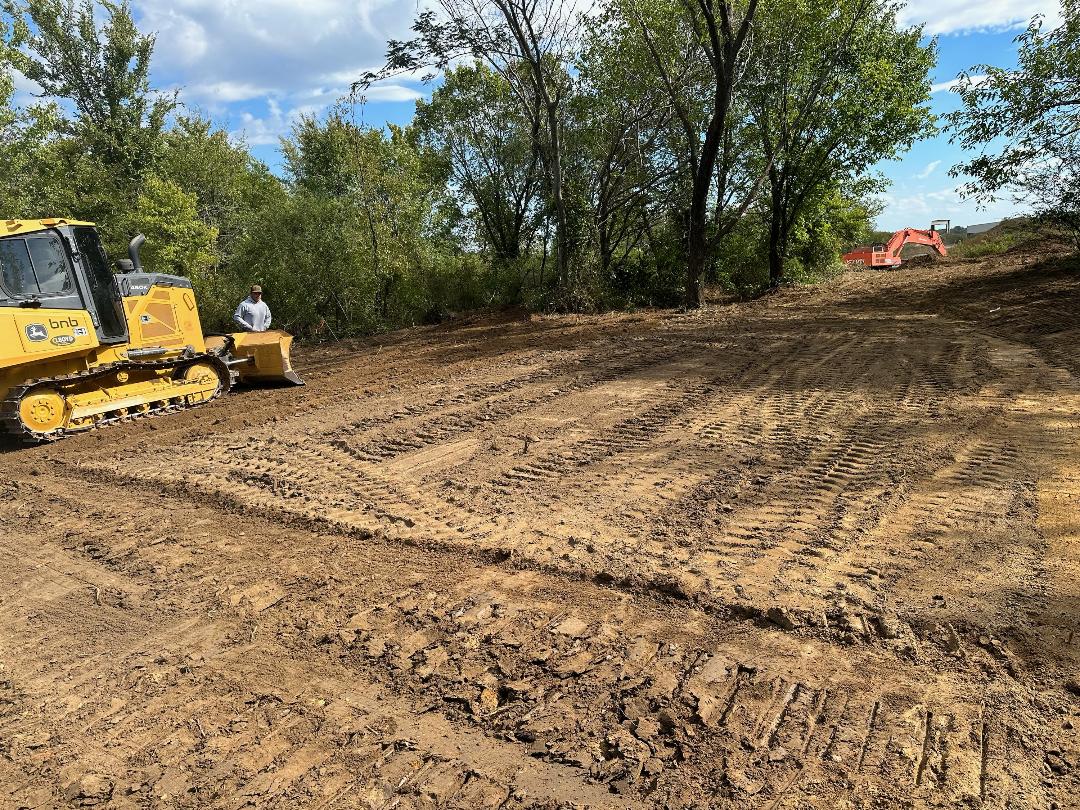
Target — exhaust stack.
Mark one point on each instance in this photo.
(133, 252)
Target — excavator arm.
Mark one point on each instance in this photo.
(888, 255)
(913, 236)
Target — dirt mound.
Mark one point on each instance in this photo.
(813, 551)
(922, 260)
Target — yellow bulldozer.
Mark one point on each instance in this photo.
(82, 347)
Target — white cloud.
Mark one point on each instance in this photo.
(227, 51)
(226, 91)
(952, 16)
(268, 129)
(929, 170)
(393, 92)
(949, 86)
(917, 210)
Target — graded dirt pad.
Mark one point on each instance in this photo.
(821, 550)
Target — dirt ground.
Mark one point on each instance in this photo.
(821, 550)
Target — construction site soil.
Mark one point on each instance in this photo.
(818, 550)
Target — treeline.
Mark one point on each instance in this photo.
(564, 161)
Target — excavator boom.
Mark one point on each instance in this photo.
(888, 255)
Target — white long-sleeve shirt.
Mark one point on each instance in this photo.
(252, 316)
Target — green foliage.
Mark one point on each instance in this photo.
(1009, 234)
(991, 246)
(1025, 123)
(361, 242)
(834, 220)
(32, 182)
(838, 87)
(104, 71)
(561, 174)
(479, 140)
(229, 185)
(177, 239)
(91, 165)
(307, 264)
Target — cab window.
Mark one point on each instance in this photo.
(16, 271)
(34, 266)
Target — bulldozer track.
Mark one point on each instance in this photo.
(814, 551)
(12, 424)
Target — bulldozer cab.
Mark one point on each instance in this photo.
(62, 266)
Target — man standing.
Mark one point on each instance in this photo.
(253, 315)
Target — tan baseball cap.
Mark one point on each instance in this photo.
(256, 288)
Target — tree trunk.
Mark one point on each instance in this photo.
(777, 230)
(603, 224)
(562, 231)
(697, 248)
(697, 256)
(606, 249)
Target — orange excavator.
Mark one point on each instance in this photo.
(888, 255)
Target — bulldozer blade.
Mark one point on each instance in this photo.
(263, 356)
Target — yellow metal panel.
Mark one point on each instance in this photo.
(40, 334)
(158, 320)
(13, 226)
(167, 316)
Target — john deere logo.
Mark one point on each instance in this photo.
(36, 332)
(63, 340)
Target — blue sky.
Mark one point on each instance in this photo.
(969, 33)
(255, 66)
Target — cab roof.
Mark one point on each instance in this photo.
(10, 227)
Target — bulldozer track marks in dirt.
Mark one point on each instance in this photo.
(813, 551)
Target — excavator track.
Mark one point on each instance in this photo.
(12, 423)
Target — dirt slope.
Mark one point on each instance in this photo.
(817, 551)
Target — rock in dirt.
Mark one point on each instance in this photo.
(952, 639)
(1073, 685)
(487, 702)
(346, 637)
(573, 666)
(779, 754)
(517, 690)
(646, 729)
(781, 617)
(708, 709)
(359, 622)
(89, 789)
(573, 627)
(889, 626)
(1061, 762)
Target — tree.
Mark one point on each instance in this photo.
(177, 240)
(838, 87)
(385, 204)
(697, 53)
(105, 74)
(623, 123)
(530, 43)
(474, 124)
(113, 142)
(229, 185)
(32, 182)
(1025, 123)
